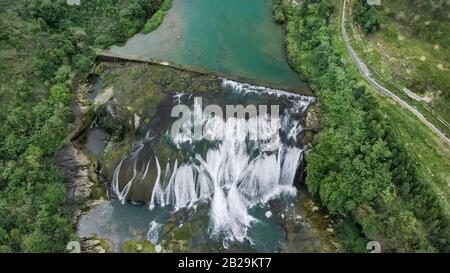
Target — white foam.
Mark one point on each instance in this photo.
(234, 175)
(246, 88)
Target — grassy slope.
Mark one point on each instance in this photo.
(431, 153)
(399, 55)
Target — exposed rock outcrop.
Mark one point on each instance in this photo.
(78, 168)
(313, 118)
(79, 172)
(94, 244)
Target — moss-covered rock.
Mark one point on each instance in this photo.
(175, 246)
(138, 247)
(132, 95)
(313, 122)
(94, 244)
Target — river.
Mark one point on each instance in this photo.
(235, 37)
(206, 194)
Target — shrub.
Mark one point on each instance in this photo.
(154, 22)
(166, 5)
(366, 16)
(82, 62)
(278, 12)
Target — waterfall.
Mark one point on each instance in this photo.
(234, 174)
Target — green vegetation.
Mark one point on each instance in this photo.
(138, 247)
(278, 12)
(359, 167)
(105, 21)
(387, 53)
(366, 16)
(166, 5)
(411, 49)
(44, 52)
(385, 183)
(155, 21)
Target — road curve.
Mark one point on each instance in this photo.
(365, 72)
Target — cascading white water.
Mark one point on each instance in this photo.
(236, 173)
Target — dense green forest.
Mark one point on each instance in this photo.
(363, 174)
(45, 50)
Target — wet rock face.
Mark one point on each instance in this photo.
(313, 118)
(137, 117)
(79, 172)
(132, 96)
(94, 244)
(137, 90)
(312, 126)
(139, 247)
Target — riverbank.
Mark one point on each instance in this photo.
(156, 19)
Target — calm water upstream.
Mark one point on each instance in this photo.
(235, 37)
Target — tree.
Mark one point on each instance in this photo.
(52, 12)
(325, 9)
(59, 94)
(278, 12)
(366, 16)
(51, 136)
(304, 8)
